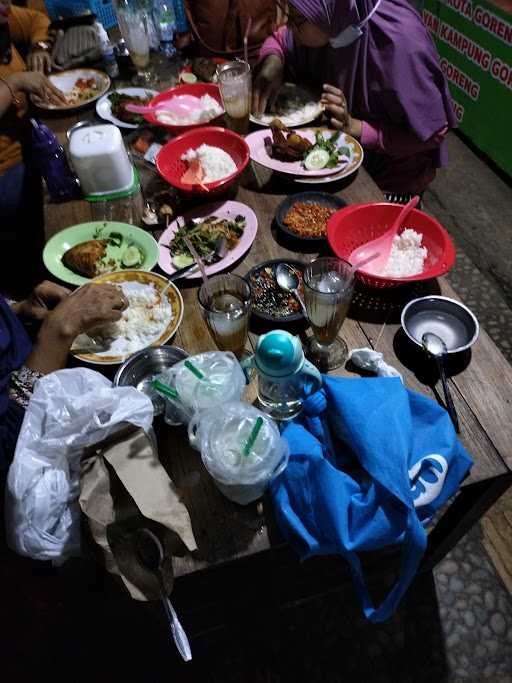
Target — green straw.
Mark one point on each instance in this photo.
(253, 436)
(165, 390)
(195, 371)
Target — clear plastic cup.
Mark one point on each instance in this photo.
(240, 472)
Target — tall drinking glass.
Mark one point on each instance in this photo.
(234, 80)
(328, 288)
(225, 302)
(133, 22)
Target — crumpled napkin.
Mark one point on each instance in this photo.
(373, 361)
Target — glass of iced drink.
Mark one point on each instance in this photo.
(225, 302)
(134, 27)
(328, 288)
(234, 79)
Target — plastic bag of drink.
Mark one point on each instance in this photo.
(201, 382)
(241, 448)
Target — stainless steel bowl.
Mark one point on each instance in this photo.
(142, 368)
(449, 319)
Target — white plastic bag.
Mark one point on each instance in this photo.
(69, 411)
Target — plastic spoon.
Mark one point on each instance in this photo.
(181, 106)
(287, 279)
(150, 553)
(435, 347)
(359, 264)
(383, 243)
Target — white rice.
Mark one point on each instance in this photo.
(407, 256)
(217, 163)
(209, 110)
(142, 323)
(307, 112)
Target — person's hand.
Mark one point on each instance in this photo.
(89, 307)
(336, 107)
(41, 301)
(38, 86)
(267, 83)
(40, 61)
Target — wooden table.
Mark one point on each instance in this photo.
(480, 388)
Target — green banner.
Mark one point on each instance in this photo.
(474, 39)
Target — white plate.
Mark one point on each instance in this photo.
(65, 80)
(293, 120)
(227, 209)
(104, 107)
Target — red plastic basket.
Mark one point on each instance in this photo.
(194, 89)
(355, 225)
(171, 167)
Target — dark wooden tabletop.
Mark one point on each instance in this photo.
(480, 381)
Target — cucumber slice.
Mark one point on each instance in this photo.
(182, 260)
(132, 257)
(316, 159)
(188, 77)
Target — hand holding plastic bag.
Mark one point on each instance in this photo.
(69, 411)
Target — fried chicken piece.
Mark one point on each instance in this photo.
(291, 148)
(298, 143)
(277, 123)
(84, 258)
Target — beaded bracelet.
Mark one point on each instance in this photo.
(15, 100)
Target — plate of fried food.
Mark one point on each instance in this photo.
(79, 86)
(82, 252)
(304, 216)
(221, 233)
(154, 313)
(302, 153)
(112, 106)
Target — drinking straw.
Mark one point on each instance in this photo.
(246, 40)
(165, 389)
(253, 436)
(195, 371)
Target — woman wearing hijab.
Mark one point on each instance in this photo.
(381, 78)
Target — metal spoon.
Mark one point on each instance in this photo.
(435, 346)
(150, 552)
(288, 280)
